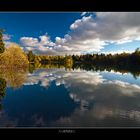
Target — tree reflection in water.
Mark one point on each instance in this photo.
(14, 77)
(86, 89)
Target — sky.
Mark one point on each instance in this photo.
(61, 33)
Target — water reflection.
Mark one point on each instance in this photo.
(14, 77)
(58, 97)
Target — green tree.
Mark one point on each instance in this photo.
(2, 48)
(2, 91)
(2, 87)
(137, 50)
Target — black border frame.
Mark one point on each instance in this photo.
(61, 6)
(69, 5)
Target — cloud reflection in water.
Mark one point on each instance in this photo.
(102, 102)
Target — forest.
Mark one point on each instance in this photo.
(124, 62)
(123, 59)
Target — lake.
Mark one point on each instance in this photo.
(57, 97)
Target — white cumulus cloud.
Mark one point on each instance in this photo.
(90, 34)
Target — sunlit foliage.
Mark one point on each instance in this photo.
(14, 66)
(14, 56)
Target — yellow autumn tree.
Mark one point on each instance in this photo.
(14, 56)
(14, 65)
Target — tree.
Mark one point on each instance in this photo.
(31, 57)
(2, 87)
(14, 57)
(2, 91)
(68, 61)
(137, 50)
(14, 66)
(2, 48)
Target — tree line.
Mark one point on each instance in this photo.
(121, 60)
(47, 59)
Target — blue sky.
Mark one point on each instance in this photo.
(60, 33)
(35, 24)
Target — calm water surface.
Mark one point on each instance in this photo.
(72, 98)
